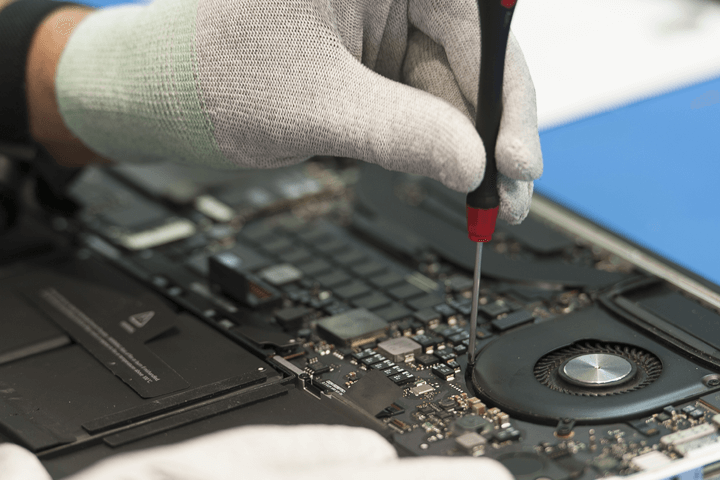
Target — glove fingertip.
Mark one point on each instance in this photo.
(515, 199)
(518, 159)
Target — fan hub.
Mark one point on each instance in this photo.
(597, 370)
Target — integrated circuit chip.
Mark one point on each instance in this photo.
(292, 318)
(400, 349)
(280, 274)
(352, 328)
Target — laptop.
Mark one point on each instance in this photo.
(148, 304)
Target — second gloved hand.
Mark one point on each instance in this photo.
(268, 83)
(269, 453)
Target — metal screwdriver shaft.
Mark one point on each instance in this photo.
(475, 300)
(482, 204)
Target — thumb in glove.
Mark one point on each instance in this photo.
(279, 452)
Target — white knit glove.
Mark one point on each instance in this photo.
(16, 463)
(269, 83)
(273, 453)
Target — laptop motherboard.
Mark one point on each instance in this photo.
(354, 283)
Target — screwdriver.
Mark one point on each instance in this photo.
(482, 204)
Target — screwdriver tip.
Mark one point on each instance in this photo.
(475, 301)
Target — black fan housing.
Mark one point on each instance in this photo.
(519, 371)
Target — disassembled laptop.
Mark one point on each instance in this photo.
(349, 285)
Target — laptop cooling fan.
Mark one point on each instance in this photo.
(587, 366)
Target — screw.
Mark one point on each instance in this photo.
(712, 380)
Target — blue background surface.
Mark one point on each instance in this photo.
(649, 171)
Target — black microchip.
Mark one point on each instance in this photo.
(404, 325)
(257, 232)
(448, 332)
(426, 360)
(647, 429)
(334, 279)
(445, 310)
(350, 257)
(483, 332)
(384, 365)
(425, 341)
(459, 337)
(445, 354)
(663, 417)
(688, 409)
(367, 361)
(277, 245)
(402, 378)
(459, 283)
(696, 414)
(392, 371)
(318, 304)
(295, 255)
(291, 318)
(416, 327)
(460, 349)
(444, 415)
(368, 269)
(443, 371)
(315, 267)
(426, 301)
(333, 245)
(454, 365)
(353, 327)
(372, 301)
(318, 368)
(393, 312)
(386, 280)
(492, 310)
(299, 295)
(353, 289)
(458, 302)
(427, 315)
(336, 308)
(513, 320)
(391, 411)
(404, 291)
(362, 354)
(313, 235)
(682, 424)
(426, 409)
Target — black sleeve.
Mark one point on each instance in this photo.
(18, 22)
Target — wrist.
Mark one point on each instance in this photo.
(45, 123)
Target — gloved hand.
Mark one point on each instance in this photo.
(273, 453)
(268, 83)
(16, 463)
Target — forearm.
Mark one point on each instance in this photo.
(46, 124)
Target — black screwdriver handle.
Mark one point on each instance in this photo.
(495, 18)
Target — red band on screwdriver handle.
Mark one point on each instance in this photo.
(481, 223)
